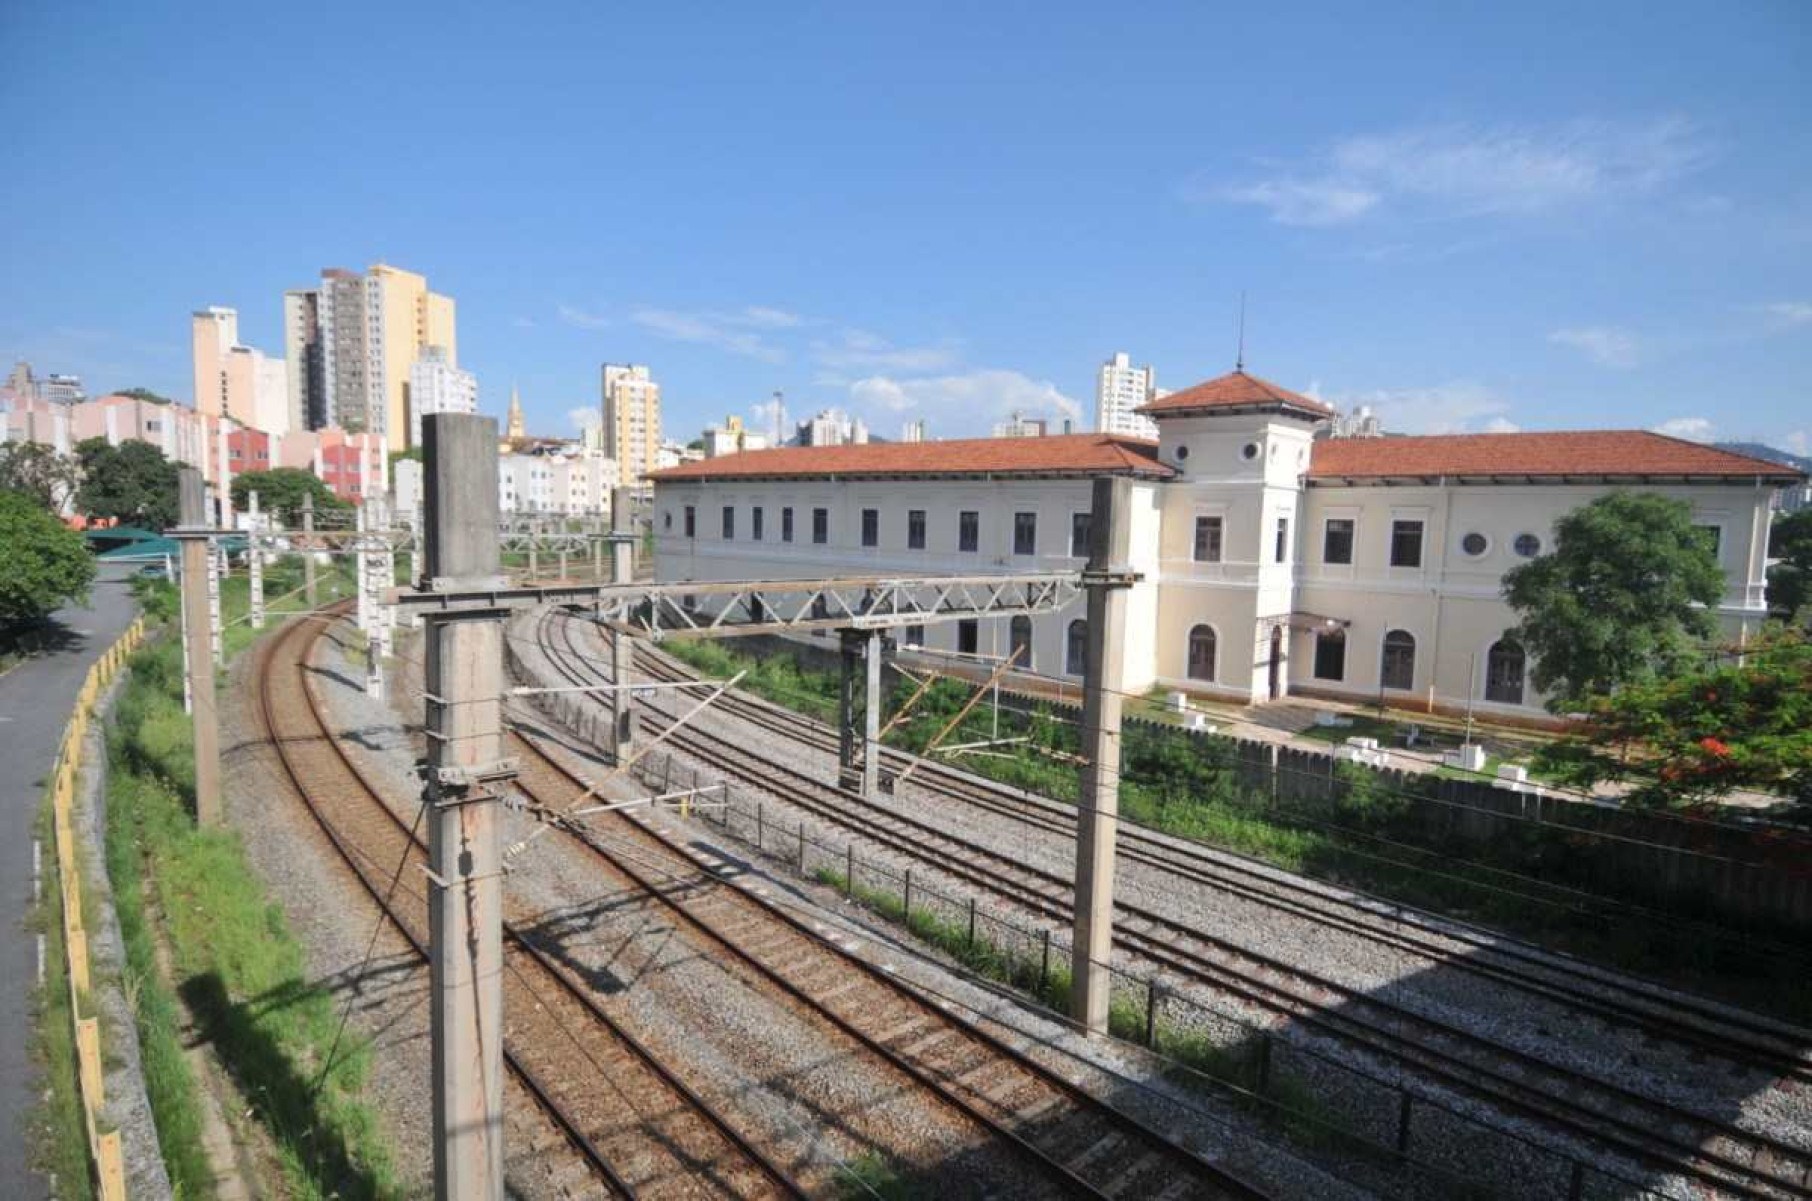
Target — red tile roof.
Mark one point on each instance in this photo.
(1060, 454)
(1592, 453)
(1235, 390)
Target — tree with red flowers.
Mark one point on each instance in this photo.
(1741, 722)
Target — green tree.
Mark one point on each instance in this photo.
(1741, 722)
(145, 394)
(45, 564)
(281, 489)
(1790, 580)
(1624, 597)
(39, 472)
(132, 482)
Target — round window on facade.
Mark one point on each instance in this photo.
(1527, 545)
(1182, 453)
(1475, 544)
(1249, 451)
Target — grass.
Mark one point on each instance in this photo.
(233, 960)
(59, 1130)
(872, 1174)
(1366, 835)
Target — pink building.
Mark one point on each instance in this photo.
(355, 466)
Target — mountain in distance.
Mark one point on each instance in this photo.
(1760, 450)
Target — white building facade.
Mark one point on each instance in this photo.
(437, 386)
(1121, 390)
(1273, 562)
(570, 484)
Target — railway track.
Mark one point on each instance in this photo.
(1714, 1029)
(1080, 1144)
(637, 1129)
(1658, 1136)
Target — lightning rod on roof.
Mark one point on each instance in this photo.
(1239, 361)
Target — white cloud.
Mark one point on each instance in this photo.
(861, 350)
(1306, 202)
(580, 319)
(732, 332)
(1466, 170)
(584, 417)
(1789, 314)
(762, 317)
(1693, 429)
(1799, 442)
(968, 401)
(1461, 407)
(1603, 345)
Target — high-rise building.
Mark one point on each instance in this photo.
(1021, 426)
(831, 427)
(732, 437)
(235, 380)
(913, 431)
(214, 332)
(357, 336)
(436, 386)
(302, 358)
(1119, 391)
(632, 421)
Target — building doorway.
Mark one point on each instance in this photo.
(1276, 666)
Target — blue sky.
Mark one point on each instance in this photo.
(1540, 215)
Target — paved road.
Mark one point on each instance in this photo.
(35, 700)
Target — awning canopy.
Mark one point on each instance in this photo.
(1310, 622)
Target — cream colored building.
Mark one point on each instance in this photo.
(355, 338)
(1273, 561)
(234, 380)
(632, 421)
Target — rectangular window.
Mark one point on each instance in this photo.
(820, 526)
(1713, 536)
(755, 523)
(1079, 528)
(729, 522)
(1330, 656)
(1207, 540)
(915, 636)
(871, 527)
(915, 529)
(968, 635)
(1406, 544)
(1025, 533)
(1283, 540)
(786, 523)
(968, 530)
(691, 522)
(1337, 540)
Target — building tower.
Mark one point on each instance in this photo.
(1120, 390)
(514, 429)
(356, 337)
(632, 421)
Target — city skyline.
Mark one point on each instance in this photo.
(1610, 233)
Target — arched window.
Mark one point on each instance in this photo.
(1019, 640)
(1201, 653)
(1075, 648)
(1399, 667)
(1504, 671)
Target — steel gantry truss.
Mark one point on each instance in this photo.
(734, 608)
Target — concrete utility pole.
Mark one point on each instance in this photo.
(464, 681)
(197, 578)
(255, 565)
(386, 615)
(622, 647)
(217, 569)
(362, 561)
(308, 547)
(1097, 821)
(861, 765)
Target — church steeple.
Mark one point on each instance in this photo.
(514, 427)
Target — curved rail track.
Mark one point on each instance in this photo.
(638, 1129)
(1662, 1137)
